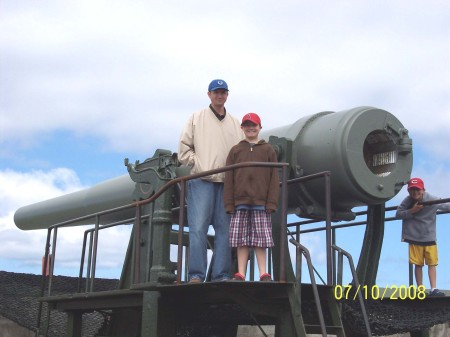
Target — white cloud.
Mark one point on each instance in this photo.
(26, 248)
(19, 189)
(132, 73)
(22, 188)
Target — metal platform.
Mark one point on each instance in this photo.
(221, 306)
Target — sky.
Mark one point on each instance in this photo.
(85, 84)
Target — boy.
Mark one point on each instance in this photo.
(251, 195)
(419, 231)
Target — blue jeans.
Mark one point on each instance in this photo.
(205, 207)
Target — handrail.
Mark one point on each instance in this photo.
(137, 218)
(363, 222)
(328, 232)
(341, 253)
(283, 225)
(94, 232)
(137, 204)
(357, 223)
(300, 249)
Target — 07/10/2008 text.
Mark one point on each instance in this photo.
(392, 292)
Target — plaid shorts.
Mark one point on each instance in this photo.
(251, 228)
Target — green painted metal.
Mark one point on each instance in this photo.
(371, 249)
(106, 195)
(74, 324)
(368, 152)
(151, 314)
(346, 143)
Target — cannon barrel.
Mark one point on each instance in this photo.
(367, 150)
(106, 195)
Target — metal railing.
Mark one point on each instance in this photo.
(93, 233)
(328, 233)
(335, 227)
(302, 250)
(341, 254)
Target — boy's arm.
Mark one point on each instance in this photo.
(403, 210)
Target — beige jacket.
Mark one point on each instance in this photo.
(206, 141)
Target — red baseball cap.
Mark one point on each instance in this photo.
(416, 182)
(252, 117)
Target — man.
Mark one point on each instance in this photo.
(205, 142)
(419, 231)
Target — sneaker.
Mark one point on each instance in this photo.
(238, 277)
(436, 293)
(195, 280)
(265, 277)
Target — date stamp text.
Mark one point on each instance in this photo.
(392, 292)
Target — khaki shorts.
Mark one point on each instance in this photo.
(419, 254)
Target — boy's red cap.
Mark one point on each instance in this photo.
(416, 182)
(252, 117)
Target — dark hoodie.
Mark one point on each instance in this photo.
(251, 185)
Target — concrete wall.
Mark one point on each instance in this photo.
(10, 329)
(441, 330)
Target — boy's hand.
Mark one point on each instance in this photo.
(416, 208)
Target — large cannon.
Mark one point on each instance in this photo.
(366, 151)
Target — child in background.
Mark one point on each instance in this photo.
(251, 195)
(419, 231)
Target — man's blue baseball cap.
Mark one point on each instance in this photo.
(218, 84)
